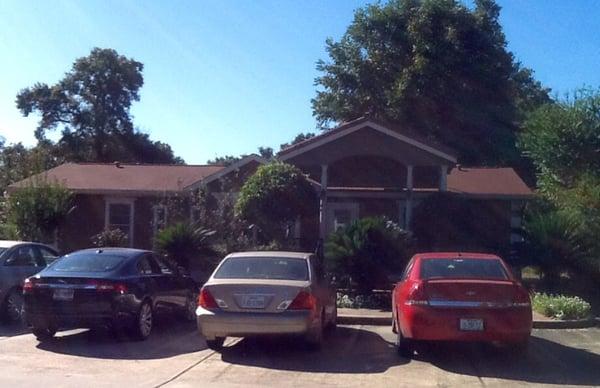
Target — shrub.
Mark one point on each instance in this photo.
(110, 238)
(381, 301)
(274, 197)
(365, 252)
(38, 210)
(561, 307)
(183, 242)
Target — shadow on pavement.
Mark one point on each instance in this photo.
(12, 329)
(545, 362)
(347, 350)
(169, 338)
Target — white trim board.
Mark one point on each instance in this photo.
(329, 138)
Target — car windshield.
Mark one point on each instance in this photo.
(463, 268)
(263, 268)
(88, 262)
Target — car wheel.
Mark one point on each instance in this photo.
(144, 322)
(216, 344)
(13, 307)
(43, 333)
(314, 338)
(403, 345)
(190, 307)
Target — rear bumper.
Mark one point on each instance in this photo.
(443, 324)
(220, 323)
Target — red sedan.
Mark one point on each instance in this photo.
(459, 297)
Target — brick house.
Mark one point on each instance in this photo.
(361, 168)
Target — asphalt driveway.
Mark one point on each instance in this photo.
(176, 356)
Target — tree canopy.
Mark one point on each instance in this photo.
(435, 66)
(91, 105)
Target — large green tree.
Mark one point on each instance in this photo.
(436, 66)
(91, 105)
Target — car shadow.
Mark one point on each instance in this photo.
(12, 329)
(545, 362)
(169, 338)
(346, 350)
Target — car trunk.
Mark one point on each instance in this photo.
(469, 293)
(255, 295)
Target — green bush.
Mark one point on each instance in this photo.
(38, 210)
(365, 252)
(183, 242)
(274, 197)
(561, 307)
(381, 301)
(110, 238)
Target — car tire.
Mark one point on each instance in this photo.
(144, 322)
(43, 333)
(13, 307)
(404, 345)
(216, 344)
(314, 338)
(190, 307)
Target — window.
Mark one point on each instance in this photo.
(263, 268)
(160, 218)
(460, 268)
(119, 214)
(146, 266)
(25, 256)
(48, 255)
(88, 262)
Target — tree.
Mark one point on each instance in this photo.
(298, 139)
(38, 210)
(91, 107)
(19, 162)
(435, 66)
(227, 160)
(274, 197)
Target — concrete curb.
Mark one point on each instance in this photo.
(550, 324)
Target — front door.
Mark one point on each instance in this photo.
(340, 214)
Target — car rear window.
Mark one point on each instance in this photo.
(463, 268)
(88, 262)
(263, 268)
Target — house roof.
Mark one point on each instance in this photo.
(403, 134)
(122, 177)
(487, 182)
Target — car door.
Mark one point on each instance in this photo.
(23, 261)
(149, 277)
(176, 289)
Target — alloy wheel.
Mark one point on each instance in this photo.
(145, 320)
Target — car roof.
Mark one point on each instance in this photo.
(12, 243)
(287, 254)
(129, 252)
(453, 255)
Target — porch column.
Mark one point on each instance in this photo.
(409, 188)
(443, 178)
(323, 203)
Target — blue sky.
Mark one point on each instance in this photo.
(224, 77)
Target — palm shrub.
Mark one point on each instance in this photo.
(183, 243)
(555, 242)
(110, 238)
(365, 252)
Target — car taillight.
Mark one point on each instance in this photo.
(521, 298)
(102, 286)
(417, 296)
(206, 300)
(303, 301)
(29, 285)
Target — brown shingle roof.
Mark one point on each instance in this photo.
(482, 181)
(137, 178)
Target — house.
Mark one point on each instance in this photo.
(361, 168)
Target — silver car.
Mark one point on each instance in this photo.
(266, 293)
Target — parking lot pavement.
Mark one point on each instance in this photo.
(175, 356)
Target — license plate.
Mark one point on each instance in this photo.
(254, 301)
(471, 324)
(63, 294)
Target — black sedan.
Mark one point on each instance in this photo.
(117, 287)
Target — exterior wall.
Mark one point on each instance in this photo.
(85, 221)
